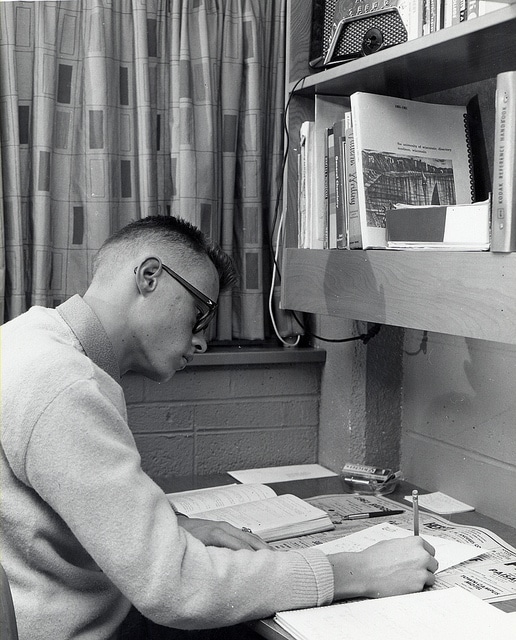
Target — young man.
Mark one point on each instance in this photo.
(85, 532)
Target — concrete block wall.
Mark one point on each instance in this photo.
(212, 419)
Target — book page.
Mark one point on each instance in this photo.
(265, 515)
(430, 615)
(193, 502)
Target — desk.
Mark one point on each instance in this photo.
(323, 486)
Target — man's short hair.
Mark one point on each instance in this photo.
(165, 231)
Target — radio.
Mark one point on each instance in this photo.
(352, 28)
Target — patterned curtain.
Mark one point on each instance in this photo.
(112, 110)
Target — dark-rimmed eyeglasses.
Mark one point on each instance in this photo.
(206, 306)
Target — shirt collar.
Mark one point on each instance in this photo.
(88, 329)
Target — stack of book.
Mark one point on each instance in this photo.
(381, 154)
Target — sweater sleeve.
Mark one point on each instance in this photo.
(82, 460)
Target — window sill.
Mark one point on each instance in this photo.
(245, 355)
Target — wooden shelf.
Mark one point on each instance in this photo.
(471, 294)
(468, 52)
(468, 294)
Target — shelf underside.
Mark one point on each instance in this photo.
(470, 294)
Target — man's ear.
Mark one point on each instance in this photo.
(146, 275)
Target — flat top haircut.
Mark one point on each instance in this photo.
(164, 231)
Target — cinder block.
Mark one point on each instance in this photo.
(160, 418)
(165, 456)
(275, 380)
(209, 419)
(191, 384)
(133, 386)
(220, 452)
(257, 413)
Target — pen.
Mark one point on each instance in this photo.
(415, 504)
(373, 514)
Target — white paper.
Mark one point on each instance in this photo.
(447, 552)
(449, 614)
(439, 502)
(281, 474)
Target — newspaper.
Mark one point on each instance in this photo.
(490, 576)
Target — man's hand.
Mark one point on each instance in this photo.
(387, 568)
(221, 534)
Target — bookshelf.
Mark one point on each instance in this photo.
(460, 293)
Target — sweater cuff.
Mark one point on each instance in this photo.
(323, 574)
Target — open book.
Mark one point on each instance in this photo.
(255, 507)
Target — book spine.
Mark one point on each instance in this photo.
(339, 230)
(415, 29)
(503, 232)
(463, 13)
(304, 185)
(458, 11)
(354, 228)
(411, 15)
(472, 9)
(426, 16)
(440, 15)
(433, 16)
(332, 193)
(326, 193)
(301, 211)
(319, 190)
(340, 191)
(448, 8)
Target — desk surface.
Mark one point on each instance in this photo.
(323, 486)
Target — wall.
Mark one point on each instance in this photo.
(360, 418)
(459, 406)
(450, 426)
(212, 419)
(459, 420)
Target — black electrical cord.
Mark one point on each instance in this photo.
(282, 175)
(364, 337)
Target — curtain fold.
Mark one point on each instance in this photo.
(115, 110)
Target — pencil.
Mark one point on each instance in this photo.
(415, 505)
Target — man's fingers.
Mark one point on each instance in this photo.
(222, 534)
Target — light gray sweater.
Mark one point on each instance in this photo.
(84, 531)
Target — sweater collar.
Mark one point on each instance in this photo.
(88, 329)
